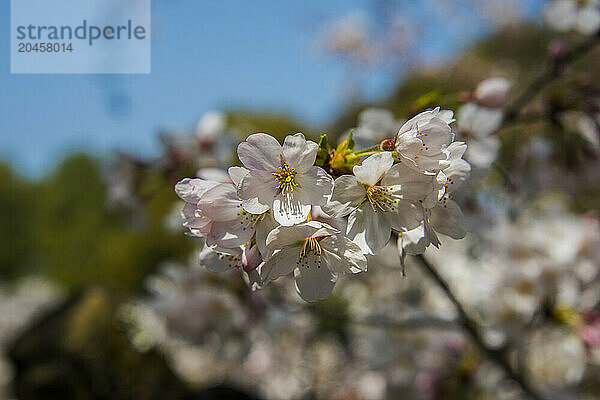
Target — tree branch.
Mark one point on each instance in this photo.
(550, 73)
(498, 356)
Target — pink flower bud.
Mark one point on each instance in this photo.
(388, 145)
(251, 258)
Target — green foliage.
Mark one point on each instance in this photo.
(277, 125)
(17, 231)
(61, 227)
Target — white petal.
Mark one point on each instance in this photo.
(229, 234)
(561, 15)
(299, 153)
(314, 283)
(236, 174)
(314, 186)
(263, 228)
(482, 153)
(221, 203)
(406, 217)
(213, 174)
(493, 92)
(219, 262)
(456, 174)
(290, 209)
(588, 20)
(284, 236)
(414, 241)
(347, 195)
(190, 190)
(342, 255)
(374, 167)
(260, 152)
(479, 121)
(415, 185)
(281, 263)
(375, 225)
(257, 191)
(447, 219)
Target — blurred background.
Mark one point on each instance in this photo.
(101, 296)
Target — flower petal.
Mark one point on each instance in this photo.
(413, 241)
(190, 190)
(375, 225)
(257, 191)
(447, 219)
(285, 236)
(236, 174)
(263, 228)
(299, 153)
(374, 167)
(260, 152)
(219, 262)
(314, 283)
(229, 234)
(314, 186)
(221, 203)
(281, 263)
(290, 209)
(342, 255)
(347, 195)
(407, 216)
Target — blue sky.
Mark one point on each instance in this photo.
(205, 55)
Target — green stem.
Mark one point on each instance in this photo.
(370, 150)
(368, 154)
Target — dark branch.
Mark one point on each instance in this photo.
(498, 356)
(550, 73)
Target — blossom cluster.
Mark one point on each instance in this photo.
(282, 214)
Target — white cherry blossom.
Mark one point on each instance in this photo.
(421, 140)
(378, 199)
(231, 225)
(444, 215)
(492, 92)
(478, 123)
(316, 253)
(283, 179)
(582, 16)
(190, 190)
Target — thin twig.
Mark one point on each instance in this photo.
(550, 73)
(498, 356)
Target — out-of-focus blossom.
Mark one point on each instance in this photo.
(582, 16)
(493, 92)
(374, 126)
(211, 125)
(582, 124)
(477, 124)
(349, 37)
(556, 357)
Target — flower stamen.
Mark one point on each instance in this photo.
(286, 178)
(381, 198)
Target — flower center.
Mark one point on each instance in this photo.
(381, 198)
(310, 248)
(286, 178)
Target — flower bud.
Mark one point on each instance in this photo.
(388, 145)
(251, 258)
